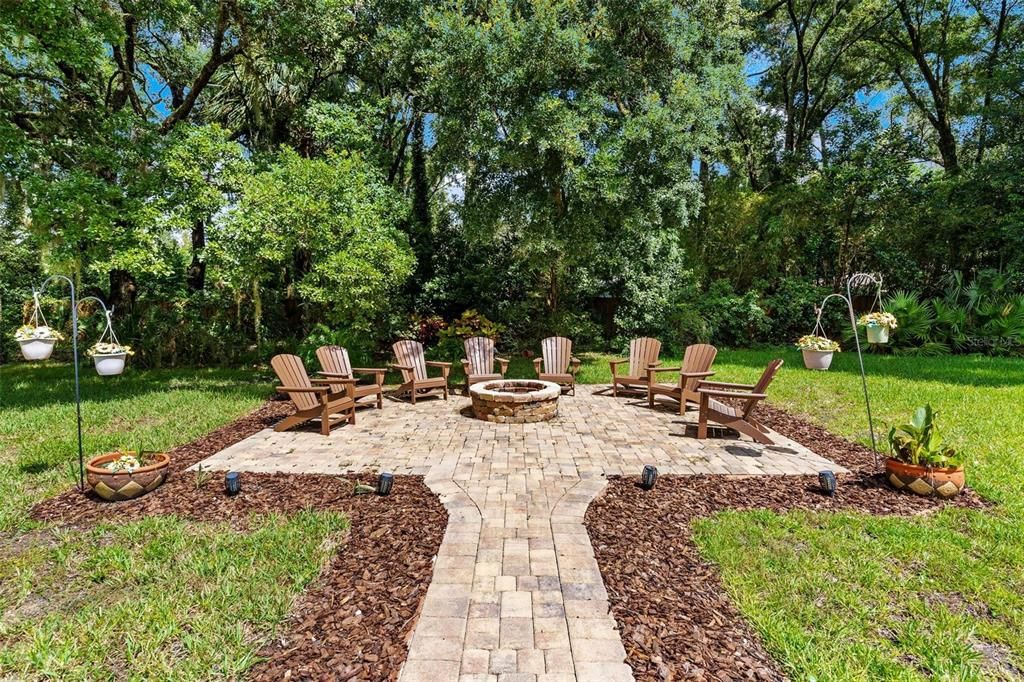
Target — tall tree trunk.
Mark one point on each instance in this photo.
(196, 274)
(123, 290)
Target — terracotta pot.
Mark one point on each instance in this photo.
(944, 482)
(125, 485)
(110, 364)
(817, 359)
(879, 335)
(37, 349)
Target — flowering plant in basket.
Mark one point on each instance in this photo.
(886, 320)
(29, 332)
(817, 343)
(109, 349)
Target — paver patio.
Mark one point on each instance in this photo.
(516, 593)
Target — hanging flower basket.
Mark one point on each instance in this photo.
(878, 326)
(37, 342)
(109, 358)
(817, 351)
(118, 476)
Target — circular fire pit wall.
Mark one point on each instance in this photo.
(515, 401)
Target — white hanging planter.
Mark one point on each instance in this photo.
(109, 364)
(878, 335)
(37, 349)
(817, 359)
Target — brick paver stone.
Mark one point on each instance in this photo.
(516, 592)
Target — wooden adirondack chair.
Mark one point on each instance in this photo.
(313, 399)
(479, 361)
(559, 365)
(643, 355)
(413, 364)
(696, 366)
(736, 403)
(334, 363)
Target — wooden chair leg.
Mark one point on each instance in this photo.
(650, 398)
(615, 388)
(702, 420)
(446, 390)
(289, 422)
(380, 398)
(325, 423)
(412, 394)
(352, 415)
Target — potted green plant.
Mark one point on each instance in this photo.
(109, 358)
(124, 475)
(37, 342)
(817, 351)
(878, 326)
(919, 461)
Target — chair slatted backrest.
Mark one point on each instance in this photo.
(410, 354)
(480, 353)
(643, 352)
(762, 384)
(697, 358)
(291, 372)
(557, 353)
(334, 359)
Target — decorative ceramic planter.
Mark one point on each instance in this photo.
(878, 335)
(125, 485)
(109, 365)
(817, 359)
(944, 482)
(37, 349)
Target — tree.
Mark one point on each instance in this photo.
(323, 230)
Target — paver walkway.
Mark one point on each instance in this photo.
(516, 593)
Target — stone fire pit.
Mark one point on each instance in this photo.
(515, 401)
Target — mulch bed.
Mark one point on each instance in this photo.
(354, 621)
(676, 618)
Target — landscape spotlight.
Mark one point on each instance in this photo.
(648, 477)
(232, 483)
(827, 481)
(384, 483)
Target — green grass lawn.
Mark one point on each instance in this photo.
(161, 598)
(835, 596)
(852, 597)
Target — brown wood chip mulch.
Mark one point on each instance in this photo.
(353, 622)
(676, 619)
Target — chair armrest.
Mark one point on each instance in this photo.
(435, 363)
(655, 370)
(303, 389)
(408, 368)
(574, 365)
(334, 379)
(536, 365)
(732, 394)
(698, 375)
(613, 363)
(722, 384)
(370, 370)
(502, 365)
(653, 364)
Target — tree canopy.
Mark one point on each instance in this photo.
(242, 169)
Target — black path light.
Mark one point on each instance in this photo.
(232, 483)
(385, 482)
(828, 483)
(648, 476)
